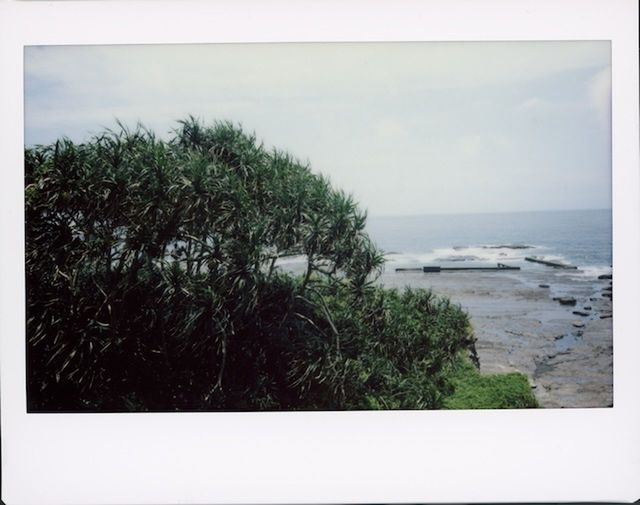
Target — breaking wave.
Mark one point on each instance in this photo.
(484, 253)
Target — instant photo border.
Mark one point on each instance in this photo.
(568, 455)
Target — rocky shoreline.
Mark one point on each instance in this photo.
(552, 326)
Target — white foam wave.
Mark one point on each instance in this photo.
(476, 254)
(595, 270)
(582, 270)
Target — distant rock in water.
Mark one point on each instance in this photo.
(605, 276)
(508, 246)
(580, 313)
(568, 300)
(543, 285)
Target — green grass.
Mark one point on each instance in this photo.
(494, 391)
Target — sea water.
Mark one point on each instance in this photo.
(577, 237)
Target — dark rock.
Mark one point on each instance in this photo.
(605, 316)
(580, 313)
(558, 337)
(587, 307)
(593, 299)
(578, 324)
(543, 285)
(608, 295)
(569, 300)
(605, 276)
(508, 246)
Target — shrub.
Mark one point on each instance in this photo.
(152, 284)
(493, 391)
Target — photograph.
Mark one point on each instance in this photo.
(300, 252)
(318, 226)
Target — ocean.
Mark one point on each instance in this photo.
(518, 318)
(578, 237)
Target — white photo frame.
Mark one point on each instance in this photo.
(567, 455)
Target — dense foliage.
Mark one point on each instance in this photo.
(471, 390)
(153, 284)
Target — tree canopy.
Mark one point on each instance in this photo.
(153, 283)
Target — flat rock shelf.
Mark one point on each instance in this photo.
(520, 327)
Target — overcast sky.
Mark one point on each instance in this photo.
(420, 128)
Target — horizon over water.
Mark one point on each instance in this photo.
(579, 237)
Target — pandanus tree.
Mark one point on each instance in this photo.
(153, 283)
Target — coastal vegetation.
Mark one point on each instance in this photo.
(471, 390)
(153, 284)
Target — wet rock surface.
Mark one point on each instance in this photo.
(520, 327)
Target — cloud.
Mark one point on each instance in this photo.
(389, 129)
(357, 68)
(600, 95)
(398, 124)
(533, 103)
(483, 145)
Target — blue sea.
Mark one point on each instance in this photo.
(578, 237)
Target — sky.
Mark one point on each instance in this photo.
(407, 128)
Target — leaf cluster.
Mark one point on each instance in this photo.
(153, 283)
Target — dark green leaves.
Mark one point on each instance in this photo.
(152, 283)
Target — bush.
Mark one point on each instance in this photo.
(152, 284)
(494, 391)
